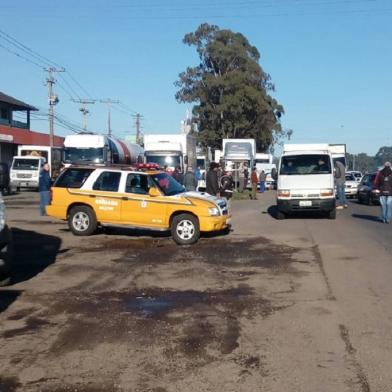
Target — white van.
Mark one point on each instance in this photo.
(25, 171)
(305, 180)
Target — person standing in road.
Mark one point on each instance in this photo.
(44, 185)
(241, 177)
(212, 183)
(262, 179)
(226, 190)
(190, 181)
(383, 182)
(254, 181)
(340, 181)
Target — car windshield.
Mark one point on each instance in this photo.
(75, 155)
(171, 161)
(167, 184)
(305, 164)
(26, 164)
(350, 177)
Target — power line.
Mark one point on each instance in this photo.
(21, 56)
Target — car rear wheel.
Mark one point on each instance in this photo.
(82, 220)
(185, 229)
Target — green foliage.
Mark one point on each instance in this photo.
(362, 162)
(383, 155)
(230, 90)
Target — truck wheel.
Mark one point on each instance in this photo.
(280, 215)
(82, 220)
(185, 229)
(332, 214)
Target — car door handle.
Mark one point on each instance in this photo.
(124, 198)
(91, 195)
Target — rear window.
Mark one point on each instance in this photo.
(73, 178)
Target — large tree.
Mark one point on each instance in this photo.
(229, 89)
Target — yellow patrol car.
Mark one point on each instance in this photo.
(88, 196)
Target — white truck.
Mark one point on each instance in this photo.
(84, 148)
(305, 180)
(171, 150)
(237, 152)
(26, 166)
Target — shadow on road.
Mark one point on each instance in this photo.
(7, 297)
(33, 252)
(272, 211)
(366, 217)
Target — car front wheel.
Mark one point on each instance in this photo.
(82, 221)
(185, 229)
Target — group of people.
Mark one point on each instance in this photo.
(382, 184)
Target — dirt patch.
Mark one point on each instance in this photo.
(192, 323)
(32, 324)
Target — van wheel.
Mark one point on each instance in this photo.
(280, 215)
(332, 214)
(82, 220)
(185, 229)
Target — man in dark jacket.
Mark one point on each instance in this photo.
(212, 182)
(383, 183)
(44, 185)
(177, 175)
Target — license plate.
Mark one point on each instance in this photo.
(305, 203)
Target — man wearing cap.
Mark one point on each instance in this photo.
(383, 183)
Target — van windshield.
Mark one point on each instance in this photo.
(26, 164)
(306, 164)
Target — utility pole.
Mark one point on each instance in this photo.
(83, 109)
(109, 103)
(52, 99)
(138, 117)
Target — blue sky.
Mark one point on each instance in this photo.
(331, 60)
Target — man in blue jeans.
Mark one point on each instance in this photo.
(383, 183)
(44, 184)
(340, 181)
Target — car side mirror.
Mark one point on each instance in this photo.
(274, 174)
(154, 192)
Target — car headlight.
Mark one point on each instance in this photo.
(213, 211)
(283, 193)
(326, 192)
(2, 215)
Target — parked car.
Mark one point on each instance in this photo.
(5, 247)
(89, 196)
(4, 179)
(367, 193)
(357, 174)
(351, 187)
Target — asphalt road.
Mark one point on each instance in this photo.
(302, 304)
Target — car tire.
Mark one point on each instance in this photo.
(280, 215)
(369, 200)
(82, 221)
(185, 229)
(332, 214)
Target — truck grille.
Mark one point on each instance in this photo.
(23, 175)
